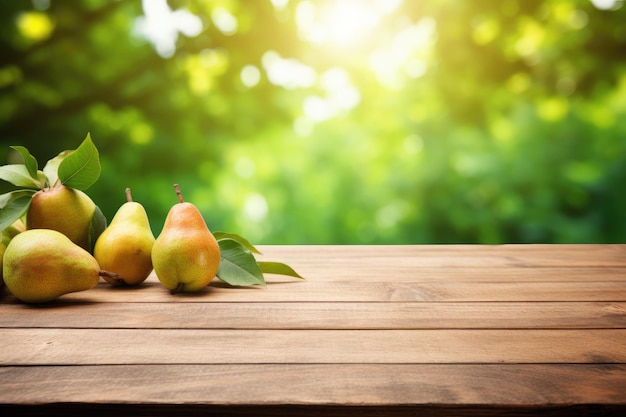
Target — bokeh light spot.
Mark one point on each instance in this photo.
(250, 76)
(288, 73)
(160, 26)
(255, 207)
(141, 133)
(224, 20)
(35, 26)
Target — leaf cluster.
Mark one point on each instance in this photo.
(78, 168)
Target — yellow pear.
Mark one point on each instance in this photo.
(5, 237)
(66, 210)
(41, 265)
(125, 247)
(185, 255)
(11, 231)
(2, 250)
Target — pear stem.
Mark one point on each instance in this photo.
(178, 193)
(178, 288)
(129, 196)
(108, 274)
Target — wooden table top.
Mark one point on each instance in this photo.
(376, 330)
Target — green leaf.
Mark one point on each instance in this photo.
(240, 239)
(81, 168)
(96, 227)
(278, 268)
(43, 181)
(237, 265)
(18, 175)
(51, 169)
(29, 161)
(6, 198)
(14, 210)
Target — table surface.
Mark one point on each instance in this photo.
(378, 330)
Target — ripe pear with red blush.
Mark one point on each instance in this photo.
(185, 255)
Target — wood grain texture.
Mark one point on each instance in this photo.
(200, 346)
(462, 256)
(319, 315)
(351, 384)
(322, 315)
(385, 290)
(441, 263)
(374, 330)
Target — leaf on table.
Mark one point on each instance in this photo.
(29, 161)
(237, 265)
(278, 268)
(81, 168)
(18, 175)
(240, 239)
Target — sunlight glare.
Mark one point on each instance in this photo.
(279, 4)
(407, 56)
(288, 73)
(160, 26)
(340, 97)
(341, 94)
(224, 20)
(341, 22)
(607, 4)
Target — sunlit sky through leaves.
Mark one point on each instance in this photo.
(350, 37)
(337, 121)
(337, 26)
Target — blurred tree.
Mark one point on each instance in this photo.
(334, 121)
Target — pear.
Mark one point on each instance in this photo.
(185, 255)
(66, 210)
(11, 231)
(40, 265)
(5, 237)
(3, 248)
(125, 246)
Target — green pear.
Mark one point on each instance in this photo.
(40, 265)
(185, 255)
(125, 247)
(66, 210)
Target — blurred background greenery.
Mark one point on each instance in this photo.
(334, 121)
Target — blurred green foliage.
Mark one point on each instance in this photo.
(334, 121)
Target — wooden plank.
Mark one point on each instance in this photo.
(370, 271)
(322, 315)
(176, 346)
(535, 255)
(354, 291)
(317, 384)
(418, 326)
(425, 292)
